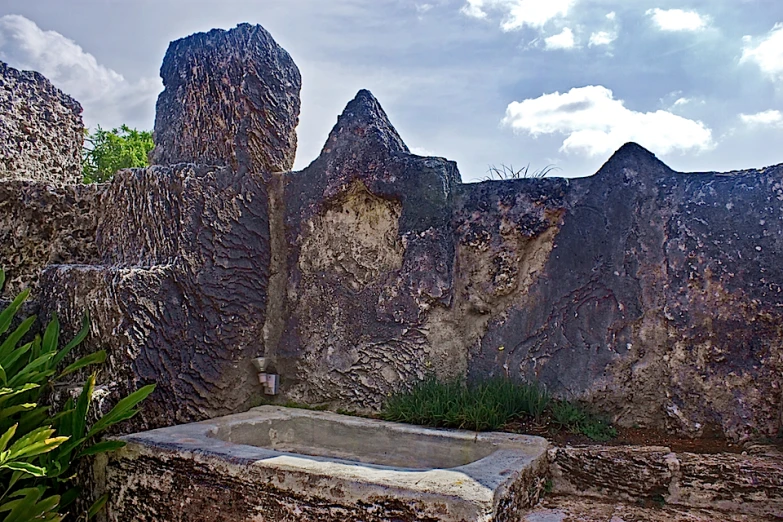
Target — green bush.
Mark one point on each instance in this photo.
(39, 448)
(106, 152)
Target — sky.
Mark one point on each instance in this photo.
(542, 83)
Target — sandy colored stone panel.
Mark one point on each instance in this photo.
(370, 255)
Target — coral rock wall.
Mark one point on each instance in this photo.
(652, 294)
(230, 98)
(179, 295)
(41, 129)
(658, 298)
(42, 223)
(369, 252)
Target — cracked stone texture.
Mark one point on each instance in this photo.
(370, 253)
(570, 509)
(230, 98)
(658, 300)
(179, 297)
(750, 484)
(41, 129)
(43, 223)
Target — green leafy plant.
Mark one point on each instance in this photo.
(39, 449)
(106, 152)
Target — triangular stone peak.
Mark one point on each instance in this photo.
(632, 157)
(363, 125)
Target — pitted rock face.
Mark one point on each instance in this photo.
(231, 98)
(41, 129)
(42, 224)
(178, 294)
(358, 306)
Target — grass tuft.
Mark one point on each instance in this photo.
(572, 417)
(489, 405)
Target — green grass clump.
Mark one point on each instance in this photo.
(572, 417)
(487, 405)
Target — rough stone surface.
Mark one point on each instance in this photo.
(629, 473)
(750, 484)
(244, 468)
(41, 129)
(180, 296)
(653, 295)
(230, 98)
(572, 509)
(42, 224)
(370, 253)
(658, 298)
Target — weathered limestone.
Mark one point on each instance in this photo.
(42, 223)
(567, 509)
(653, 295)
(231, 98)
(280, 464)
(659, 301)
(745, 484)
(180, 296)
(639, 289)
(41, 129)
(370, 251)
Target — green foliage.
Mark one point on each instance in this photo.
(39, 450)
(572, 417)
(106, 152)
(487, 405)
(505, 172)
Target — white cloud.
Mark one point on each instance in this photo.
(767, 53)
(107, 97)
(562, 40)
(423, 151)
(678, 20)
(520, 13)
(681, 101)
(596, 123)
(770, 117)
(611, 16)
(602, 38)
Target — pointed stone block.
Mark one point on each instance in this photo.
(230, 98)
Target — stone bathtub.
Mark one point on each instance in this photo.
(281, 464)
